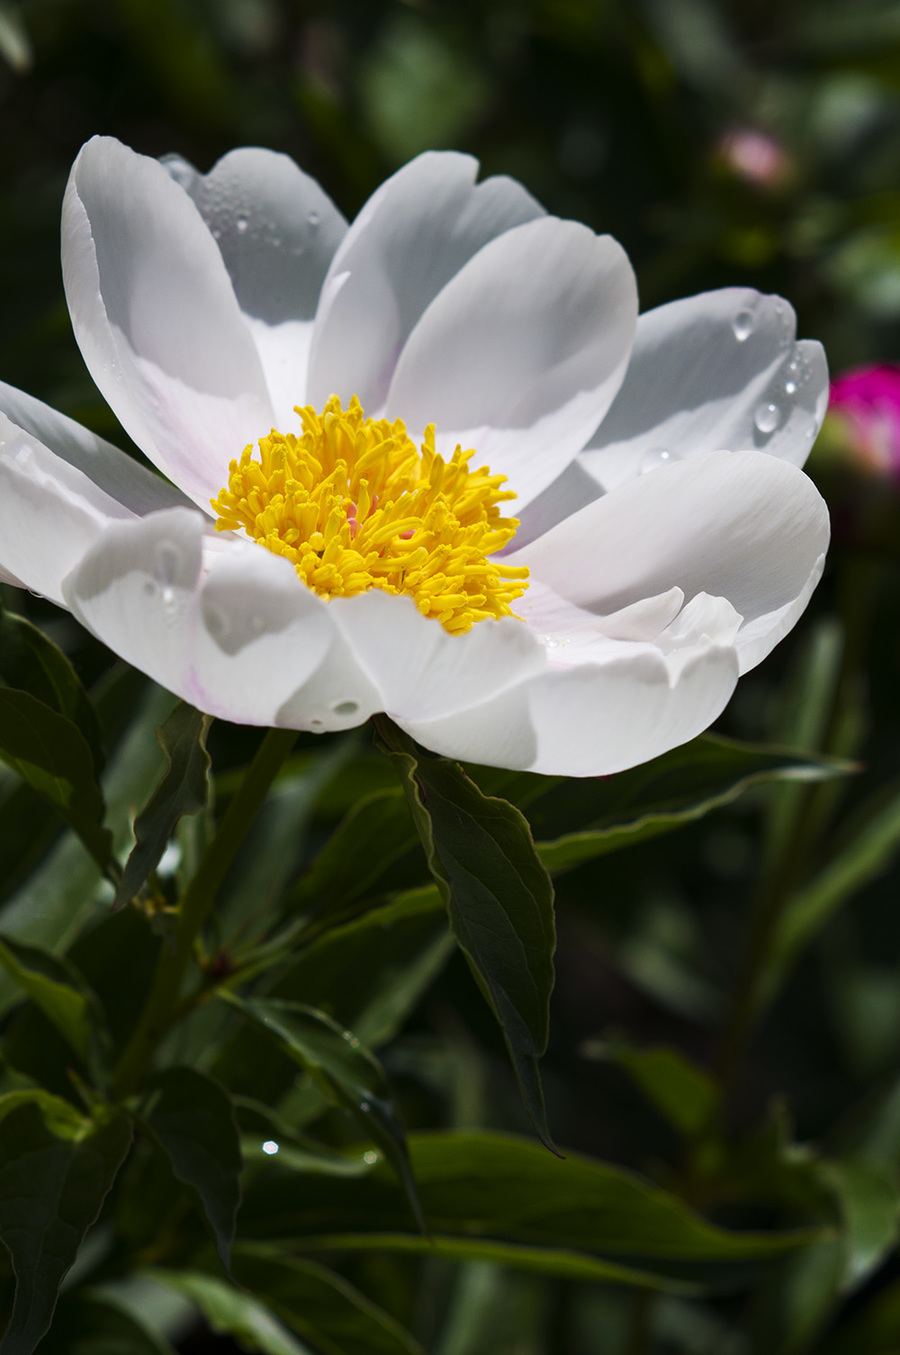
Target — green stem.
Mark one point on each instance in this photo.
(808, 821)
(194, 908)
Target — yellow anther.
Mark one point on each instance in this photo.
(354, 505)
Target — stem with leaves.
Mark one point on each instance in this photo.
(194, 907)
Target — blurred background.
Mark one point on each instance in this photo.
(754, 144)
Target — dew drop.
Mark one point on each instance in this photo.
(370, 1158)
(767, 418)
(742, 325)
(345, 707)
(216, 233)
(270, 1147)
(168, 597)
(315, 724)
(654, 457)
(166, 560)
(313, 218)
(364, 1106)
(216, 622)
(550, 642)
(149, 589)
(241, 224)
(790, 388)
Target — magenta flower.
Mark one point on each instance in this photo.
(866, 402)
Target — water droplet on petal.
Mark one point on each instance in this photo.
(166, 560)
(345, 707)
(315, 724)
(742, 325)
(790, 388)
(370, 1158)
(654, 457)
(149, 589)
(216, 621)
(767, 417)
(364, 1106)
(242, 223)
(270, 1147)
(313, 218)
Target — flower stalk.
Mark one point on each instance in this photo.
(194, 907)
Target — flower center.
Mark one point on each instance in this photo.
(354, 505)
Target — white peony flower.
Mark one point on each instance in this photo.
(650, 568)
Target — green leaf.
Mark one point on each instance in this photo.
(869, 1201)
(683, 1093)
(346, 1070)
(65, 892)
(499, 898)
(493, 1196)
(51, 1191)
(376, 833)
(870, 845)
(53, 756)
(184, 789)
(89, 1323)
(677, 788)
(193, 1120)
(320, 1306)
(50, 985)
(371, 972)
(232, 1312)
(31, 662)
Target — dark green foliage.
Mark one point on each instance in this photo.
(723, 1065)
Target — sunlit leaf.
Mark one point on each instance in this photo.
(184, 789)
(53, 986)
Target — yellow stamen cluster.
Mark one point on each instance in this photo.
(354, 505)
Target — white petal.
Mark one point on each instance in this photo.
(277, 231)
(50, 513)
(718, 370)
(221, 622)
(574, 635)
(747, 527)
(408, 241)
(419, 668)
(118, 475)
(156, 318)
(591, 719)
(521, 354)
(574, 489)
(758, 637)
